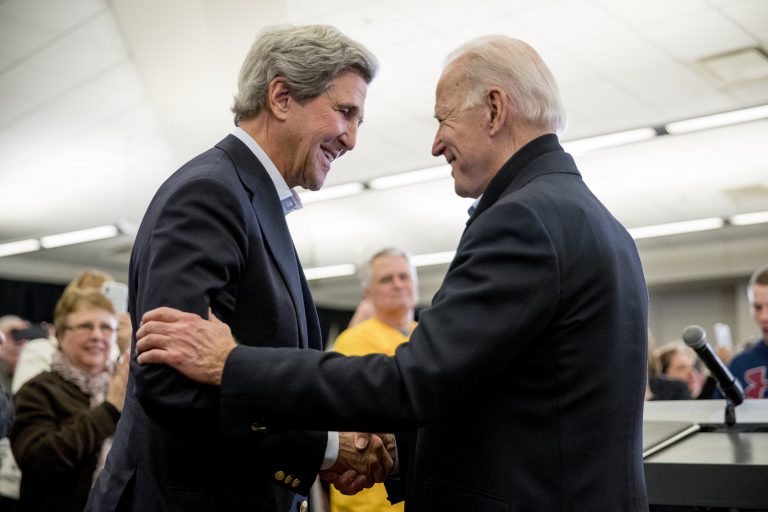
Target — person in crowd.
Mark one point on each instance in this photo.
(390, 285)
(37, 354)
(660, 386)
(525, 379)
(678, 361)
(215, 237)
(751, 365)
(36, 357)
(9, 352)
(363, 311)
(66, 417)
(6, 404)
(10, 327)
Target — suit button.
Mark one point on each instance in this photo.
(280, 476)
(255, 427)
(296, 483)
(288, 479)
(303, 506)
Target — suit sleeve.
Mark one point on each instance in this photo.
(194, 249)
(499, 294)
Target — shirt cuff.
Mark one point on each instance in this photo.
(331, 451)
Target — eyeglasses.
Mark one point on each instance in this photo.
(88, 327)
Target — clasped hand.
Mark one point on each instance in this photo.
(198, 348)
(364, 459)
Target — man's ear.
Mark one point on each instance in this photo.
(279, 97)
(499, 105)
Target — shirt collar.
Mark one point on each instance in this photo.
(472, 208)
(289, 198)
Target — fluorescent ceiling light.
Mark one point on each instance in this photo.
(433, 258)
(348, 189)
(714, 121)
(580, 146)
(745, 219)
(345, 269)
(79, 237)
(410, 177)
(676, 228)
(20, 247)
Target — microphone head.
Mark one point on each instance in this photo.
(695, 336)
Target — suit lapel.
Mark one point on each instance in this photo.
(271, 220)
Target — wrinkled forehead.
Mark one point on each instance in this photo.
(452, 78)
(451, 88)
(759, 294)
(391, 264)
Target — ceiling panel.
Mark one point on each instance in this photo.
(98, 107)
(18, 40)
(703, 33)
(57, 16)
(559, 21)
(751, 15)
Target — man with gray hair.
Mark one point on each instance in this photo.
(751, 366)
(525, 379)
(214, 239)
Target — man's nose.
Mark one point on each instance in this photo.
(349, 138)
(437, 146)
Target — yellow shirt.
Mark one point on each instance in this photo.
(369, 337)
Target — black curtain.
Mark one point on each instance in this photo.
(30, 301)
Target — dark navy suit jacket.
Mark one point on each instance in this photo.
(213, 236)
(525, 378)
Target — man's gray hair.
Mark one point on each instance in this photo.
(515, 67)
(7, 320)
(308, 57)
(366, 270)
(760, 277)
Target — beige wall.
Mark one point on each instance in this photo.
(675, 306)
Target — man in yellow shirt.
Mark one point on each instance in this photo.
(390, 285)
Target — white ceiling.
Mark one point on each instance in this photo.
(101, 101)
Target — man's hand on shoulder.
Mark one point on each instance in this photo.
(193, 346)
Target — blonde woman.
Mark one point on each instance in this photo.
(65, 417)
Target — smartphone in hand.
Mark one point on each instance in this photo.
(118, 294)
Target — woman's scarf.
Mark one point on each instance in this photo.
(94, 386)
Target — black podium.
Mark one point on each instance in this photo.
(694, 462)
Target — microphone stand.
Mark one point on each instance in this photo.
(730, 413)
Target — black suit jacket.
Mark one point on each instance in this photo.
(525, 378)
(213, 236)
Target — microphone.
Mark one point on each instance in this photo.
(696, 338)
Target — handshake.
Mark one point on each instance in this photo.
(364, 459)
(199, 348)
